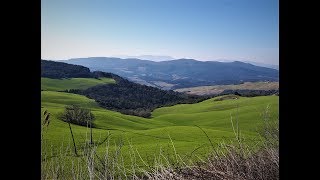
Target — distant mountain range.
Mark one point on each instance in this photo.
(272, 66)
(147, 57)
(180, 73)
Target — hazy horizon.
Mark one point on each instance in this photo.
(276, 66)
(205, 30)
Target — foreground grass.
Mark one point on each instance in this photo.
(72, 83)
(224, 162)
(233, 159)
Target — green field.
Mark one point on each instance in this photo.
(72, 83)
(149, 136)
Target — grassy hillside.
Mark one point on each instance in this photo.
(72, 83)
(216, 114)
(169, 131)
(176, 122)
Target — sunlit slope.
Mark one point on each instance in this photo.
(218, 114)
(72, 83)
(105, 119)
(148, 136)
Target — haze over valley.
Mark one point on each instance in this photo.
(179, 73)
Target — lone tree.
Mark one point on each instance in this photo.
(74, 114)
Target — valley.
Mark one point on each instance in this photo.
(179, 73)
(188, 130)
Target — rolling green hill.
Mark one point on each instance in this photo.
(177, 122)
(109, 90)
(72, 83)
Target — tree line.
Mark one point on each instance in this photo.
(134, 99)
(58, 70)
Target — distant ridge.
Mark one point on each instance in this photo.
(179, 73)
(148, 57)
(272, 66)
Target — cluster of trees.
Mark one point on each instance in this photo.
(137, 99)
(58, 70)
(141, 112)
(74, 114)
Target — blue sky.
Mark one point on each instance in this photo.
(198, 29)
